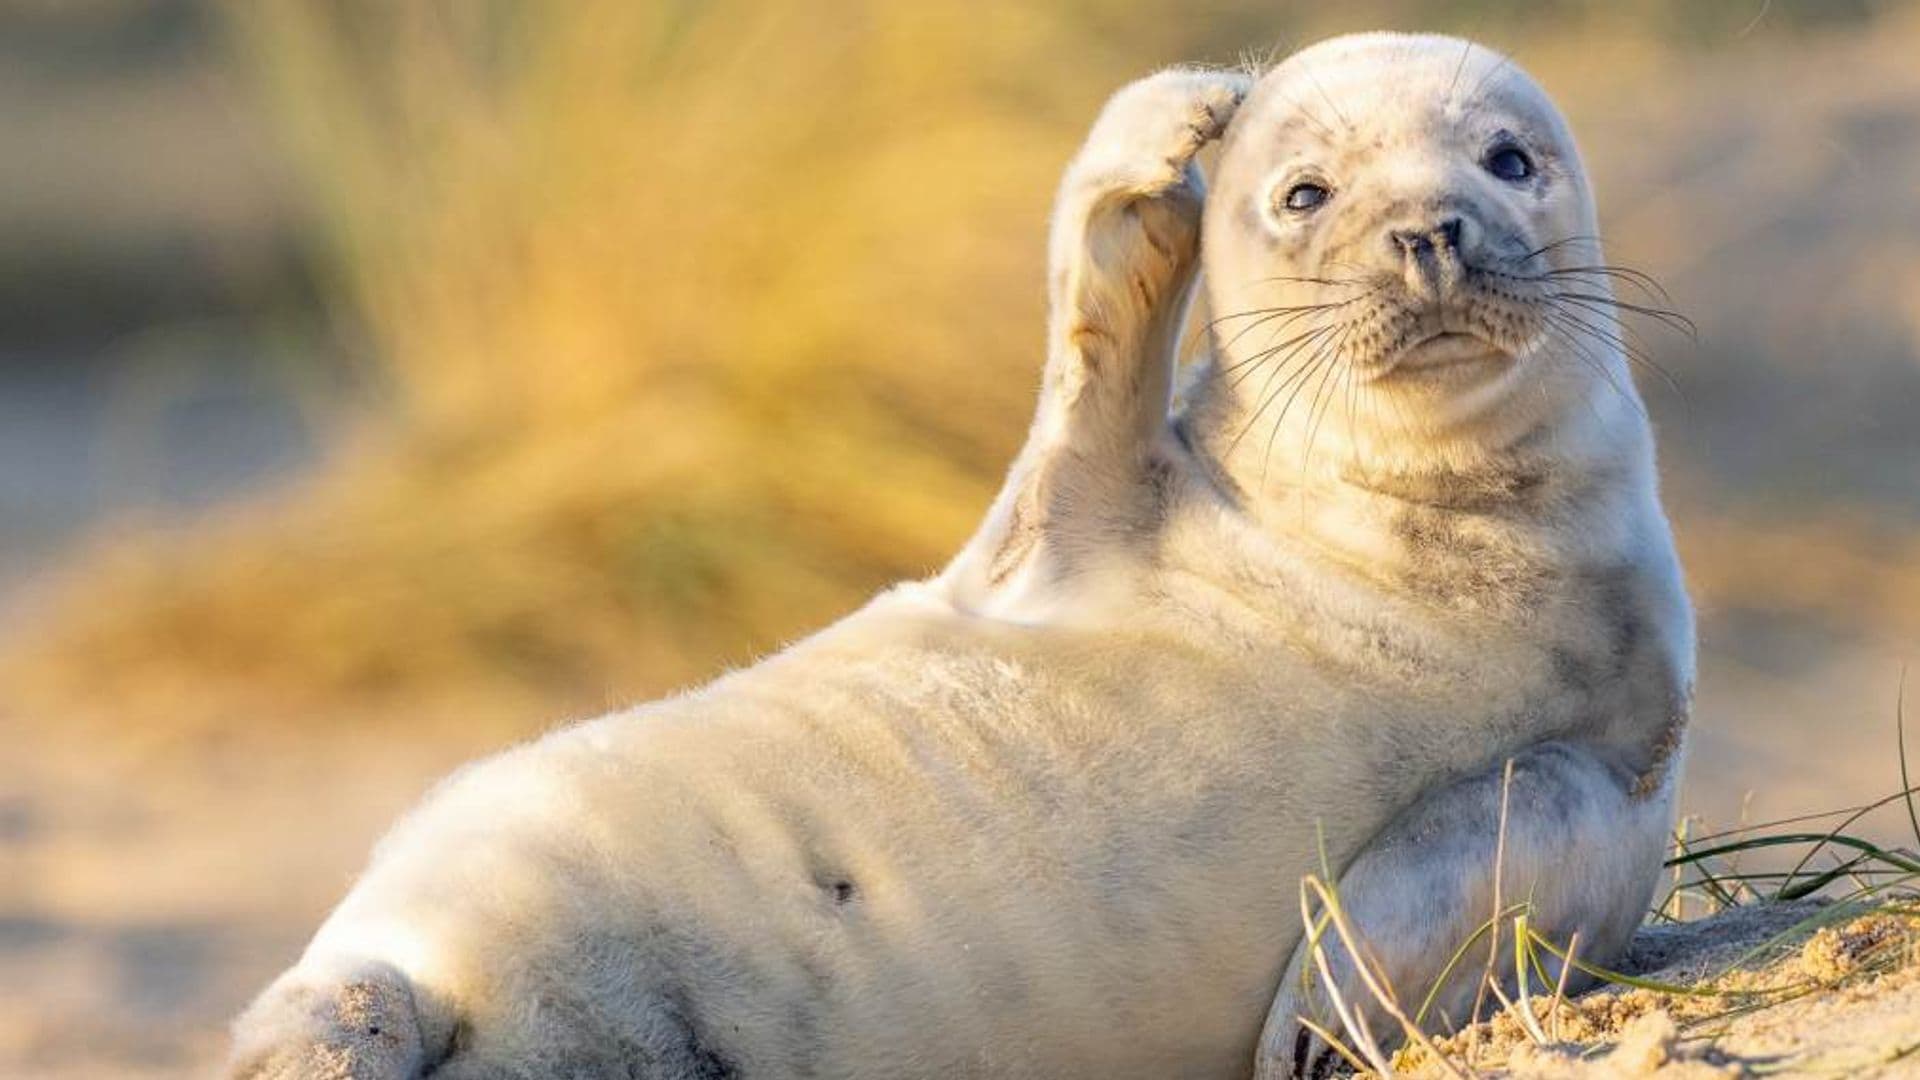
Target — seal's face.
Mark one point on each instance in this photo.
(1393, 212)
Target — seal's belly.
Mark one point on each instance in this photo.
(945, 924)
(949, 863)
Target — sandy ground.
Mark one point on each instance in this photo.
(1837, 998)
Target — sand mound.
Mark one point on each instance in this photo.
(1781, 989)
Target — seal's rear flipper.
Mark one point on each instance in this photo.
(361, 1024)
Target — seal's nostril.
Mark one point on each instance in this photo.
(1449, 232)
(1412, 241)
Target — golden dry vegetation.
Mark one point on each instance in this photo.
(686, 326)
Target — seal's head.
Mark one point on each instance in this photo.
(1401, 240)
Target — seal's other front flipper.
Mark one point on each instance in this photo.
(1582, 852)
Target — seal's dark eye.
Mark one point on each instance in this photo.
(1306, 196)
(1510, 163)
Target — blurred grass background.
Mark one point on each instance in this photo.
(379, 381)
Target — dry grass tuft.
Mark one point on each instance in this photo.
(1766, 976)
(1706, 1028)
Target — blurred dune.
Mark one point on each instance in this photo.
(607, 345)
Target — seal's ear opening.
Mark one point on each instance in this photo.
(363, 1025)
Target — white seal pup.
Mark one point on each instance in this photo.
(1046, 815)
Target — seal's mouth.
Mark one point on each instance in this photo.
(1446, 352)
(1479, 330)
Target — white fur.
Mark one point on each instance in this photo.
(1045, 815)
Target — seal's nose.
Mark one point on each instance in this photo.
(1444, 234)
(1429, 257)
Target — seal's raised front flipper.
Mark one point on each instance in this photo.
(1122, 258)
(1582, 850)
